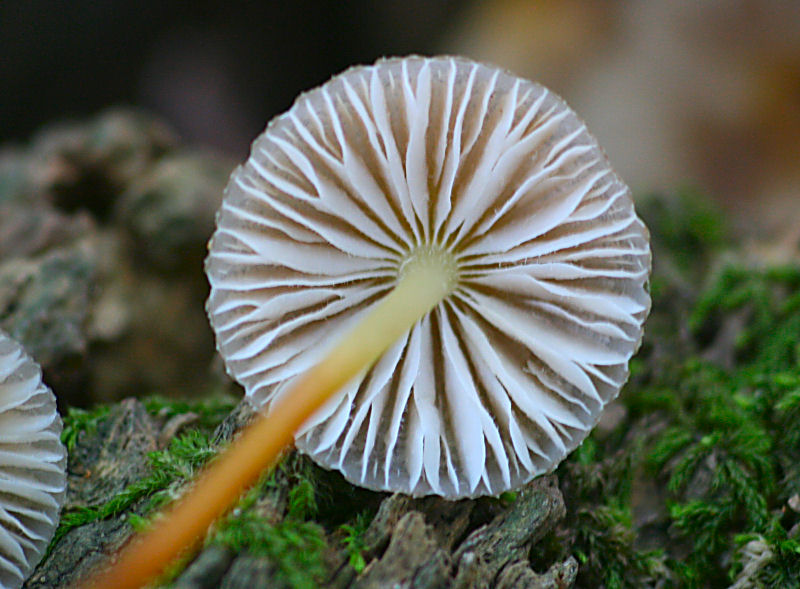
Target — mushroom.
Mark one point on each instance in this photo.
(496, 181)
(32, 464)
(449, 246)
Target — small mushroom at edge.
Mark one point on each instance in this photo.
(32, 464)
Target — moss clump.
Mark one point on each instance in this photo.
(730, 453)
(720, 479)
(354, 542)
(169, 468)
(272, 521)
(598, 529)
(80, 421)
(686, 227)
(209, 412)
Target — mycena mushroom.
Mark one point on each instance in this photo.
(446, 246)
(32, 464)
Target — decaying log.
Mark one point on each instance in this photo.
(423, 543)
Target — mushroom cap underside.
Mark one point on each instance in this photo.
(511, 370)
(32, 464)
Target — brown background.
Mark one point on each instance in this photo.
(684, 93)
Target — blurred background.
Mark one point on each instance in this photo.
(105, 212)
(700, 93)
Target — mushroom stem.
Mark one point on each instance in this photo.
(424, 281)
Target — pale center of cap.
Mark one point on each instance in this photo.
(436, 262)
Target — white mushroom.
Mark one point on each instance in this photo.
(32, 464)
(498, 184)
(446, 245)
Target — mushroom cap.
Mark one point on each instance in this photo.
(511, 370)
(32, 464)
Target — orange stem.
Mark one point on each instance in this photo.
(422, 285)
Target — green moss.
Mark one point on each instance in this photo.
(210, 412)
(271, 520)
(353, 540)
(604, 545)
(169, 468)
(80, 421)
(684, 225)
(263, 524)
(598, 529)
(730, 451)
(782, 568)
(294, 547)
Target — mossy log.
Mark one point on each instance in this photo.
(426, 542)
(691, 478)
